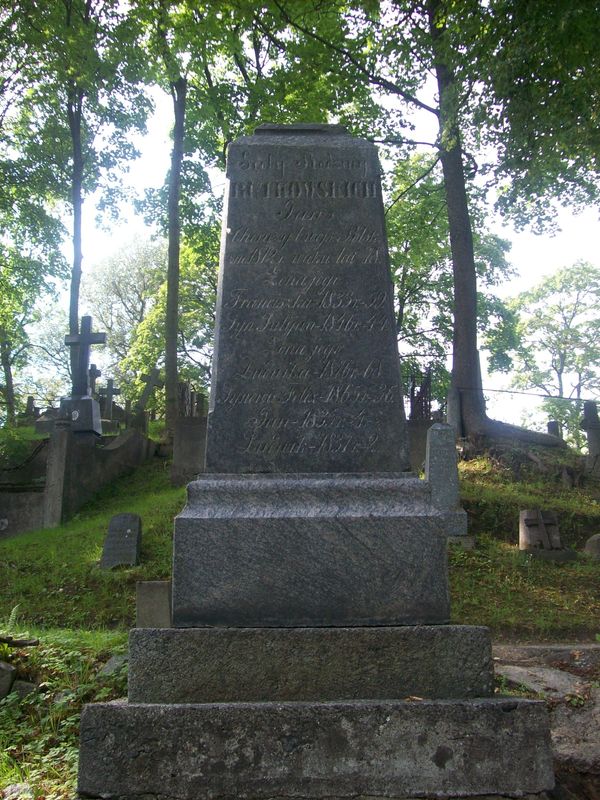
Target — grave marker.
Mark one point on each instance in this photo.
(591, 425)
(93, 374)
(108, 393)
(123, 542)
(80, 408)
(307, 562)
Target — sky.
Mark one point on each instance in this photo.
(533, 256)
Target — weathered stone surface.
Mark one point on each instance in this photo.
(576, 735)
(545, 680)
(153, 604)
(123, 541)
(315, 750)
(592, 547)
(306, 375)
(189, 449)
(251, 664)
(442, 473)
(8, 673)
(308, 550)
(23, 688)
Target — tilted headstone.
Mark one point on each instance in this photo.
(123, 542)
(309, 571)
(152, 380)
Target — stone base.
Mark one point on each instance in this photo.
(390, 749)
(259, 664)
(83, 413)
(309, 550)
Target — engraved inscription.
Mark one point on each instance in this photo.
(307, 374)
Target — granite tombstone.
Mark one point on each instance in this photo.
(308, 565)
(123, 542)
(307, 376)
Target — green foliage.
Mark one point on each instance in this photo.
(14, 446)
(39, 733)
(521, 597)
(54, 576)
(556, 348)
(421, 262)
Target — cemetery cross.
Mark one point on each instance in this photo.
(83, 341)
(93, 374)
(109, 392)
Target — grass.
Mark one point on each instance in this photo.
(51, 587)
(523, 598)
(53, 575)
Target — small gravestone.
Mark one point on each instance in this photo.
(539, 535)
(123, 542)
(442, 473)
(591, 425)
(553, 428)
(592, 547)
(153, 604)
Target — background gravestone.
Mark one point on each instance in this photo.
(306, 376)
(123, 542)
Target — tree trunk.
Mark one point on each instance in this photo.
(466, 374)
(9, 387)
(74, 109)
(178, 93)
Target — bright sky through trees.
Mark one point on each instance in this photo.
(533, 255)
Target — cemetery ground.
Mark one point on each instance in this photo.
(51, 589)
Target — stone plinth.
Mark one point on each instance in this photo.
(442, 473)
(257, 664)
(305, 375)
(309, 550)
(441, 748)
(83, 413)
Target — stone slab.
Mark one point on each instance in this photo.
(309, 551)
(189, 449)
(305, 373)
(258, 664)
(153, 604)
(123, 541)
(83, 413)
(228, 751)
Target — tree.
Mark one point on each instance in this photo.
(83, 98)
(558, 351)
(122, 292)
(421, 262)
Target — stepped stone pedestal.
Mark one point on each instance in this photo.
(311, 654)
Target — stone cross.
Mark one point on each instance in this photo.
(151, 380)
(93, 374)
(109, 392)
(83, 341)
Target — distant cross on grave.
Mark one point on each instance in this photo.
(83, 341)
(109, 392)
(93, 374)
(151, 380)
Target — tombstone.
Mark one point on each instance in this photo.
(123, 542)
(441, 471)
(309, 574)
(80, 408)
(93, 374)
(31, 413)
(153, 604)
(539, 536)
(108, 393)
(184, 399)
(553, 428)
(189, 449)
(139, 417)
(592, 547)
(591, 425)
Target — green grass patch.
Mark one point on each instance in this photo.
(523, 598)
(39, 733)
(53, 575)
(492, 498)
